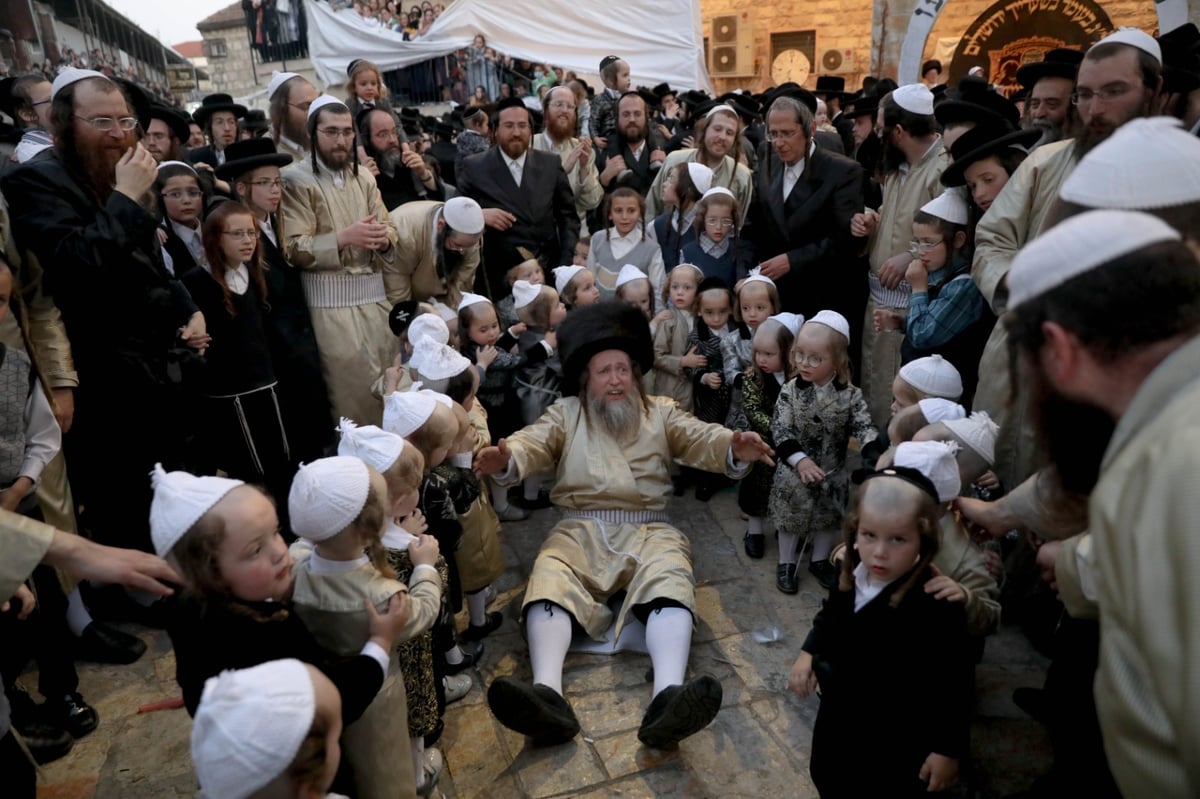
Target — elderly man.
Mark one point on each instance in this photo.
(338, 231)
(218, 114)
(400, 173)
(290, 96)
(1050, 82)
(717, 135)
(630, 158)
(1104, 312)
(437, 251)
(578, 160)
(526, 199)
(611, 446)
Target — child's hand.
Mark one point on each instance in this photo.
(809, 471)
(485, 356)
(993, 564)
(916, 276)
(28, 602)
(693, 359)
(384, 627)
(863, 225)
(661, 317)
(939, 771)
(711, 379)
(803, 680)
(516, 330)
(892, 270)
(162, 237)
(414, 523)
(887, 320)
(195, 333)
(988, 480)
(943, 587)
(391, 379)
(424, 551)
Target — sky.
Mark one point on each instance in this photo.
(172, 22)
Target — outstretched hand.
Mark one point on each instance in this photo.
(491, 460)
(751, 447)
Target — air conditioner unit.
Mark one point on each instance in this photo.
(838, 62)
(732, 46)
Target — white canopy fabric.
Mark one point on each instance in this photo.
(662, 41)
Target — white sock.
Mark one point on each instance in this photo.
(454, 655)
(549, 633)
(788, 542)
(499, 498)
(78, 617)
(477, 607)
(669, 639)
(533, 485)
(823, 541)
(418, 755)
(754, 525)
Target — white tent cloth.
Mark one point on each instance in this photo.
(662, 41)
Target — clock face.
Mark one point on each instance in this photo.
(790, 65)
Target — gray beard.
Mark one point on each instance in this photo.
(621, 419)
(1050, 133)
(390, 161)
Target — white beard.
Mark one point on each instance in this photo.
(621, 418)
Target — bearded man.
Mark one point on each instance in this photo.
(337, 230)
(578, 160)
(630, 157)
(717, 133)
(290, 96)
(167, 133)
(437, 252)
(400, 173)
(611, 447)
(1050, 83)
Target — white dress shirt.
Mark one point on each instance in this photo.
(515, 165)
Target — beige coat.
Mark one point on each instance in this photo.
(413, 274)
(584, 180)
(670, 345)
(736, 177)
(960, 559)
(478, 555)
(1143, 518)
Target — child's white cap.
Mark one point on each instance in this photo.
(718, 191)
(249, 726)
(436, 361)
(524, 293)
(436, 396)
(180, 499)
(701, 176)
(628, 274)
(914, 98)
(428, 325)
(950, 205)
(978, 432)
(756, 276)
(277, 80)
(834, 320)
(933, 375)
(564, 275)
(327, 495)
(935, 460)
(373, 445)
(792, 321)
(469, 299)
(405, 411)
(936, 409)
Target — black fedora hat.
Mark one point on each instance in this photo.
(974, 101)
(1181, 59)
(663, 90)
(177, 121)
(214, 103)
(832, 85)
(1061, 62)
(250, 154)
(794, 91)
(979, 143)
(255, 121)
(864, 107)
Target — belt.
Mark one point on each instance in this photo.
(342, 290)
(620, 516)
(889, 298)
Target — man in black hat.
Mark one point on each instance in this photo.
(253, 125)
(867, 147)
(1181, 75)
(630, 158)
(443, 149)
(167, 133)
(832, 89)
(973, 103)
(685, 120)
(525, 196)
(218, 115)
(1050, 82)
(609, 444)
(667, 114)
(400, 173)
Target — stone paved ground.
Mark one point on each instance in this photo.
(757, 747)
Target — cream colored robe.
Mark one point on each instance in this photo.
(478, 554)
(961, 560)
(413, 273)
(355, 342)
(1016, 217)
(736, 177)
(1143, 518)
(587, 190)
(585, 561)
(670, 345)
(902, 198)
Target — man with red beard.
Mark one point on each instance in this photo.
(1118, 80)
(578, 159)
(81, 213)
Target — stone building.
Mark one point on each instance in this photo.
(234, 67)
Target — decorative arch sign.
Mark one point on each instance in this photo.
(1171, 14)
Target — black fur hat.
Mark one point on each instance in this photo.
(592, 329)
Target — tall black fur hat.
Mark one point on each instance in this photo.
(592, 329)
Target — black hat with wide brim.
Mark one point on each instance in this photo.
(979, 143)
(250, 154)
(177, 121)
(592, 329)
(214, 103)
(864, 107)
(974, 101)
(1061, 62)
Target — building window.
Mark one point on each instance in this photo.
(216, 48)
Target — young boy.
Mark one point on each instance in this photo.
(614, 71)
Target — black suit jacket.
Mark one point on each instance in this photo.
(642, 177)
(812, 227)
(203, 155)
(543, 204)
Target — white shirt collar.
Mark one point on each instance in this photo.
(508, 162)
(238, 280)
(268, 229)
(798, 167)
(185, 233)
(780, 377)
(338, 177)
(613, 235)
(396, 537)
(865, 587)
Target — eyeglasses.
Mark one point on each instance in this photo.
(1106, 94)
(924, 246)
(802, 359)
(722, 222)
(268, 184)
(179, 194)
(108, 123)
(337, 133)
(562, 105)
(240, 235)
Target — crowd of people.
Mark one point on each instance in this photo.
(315, 363)
(159, 91)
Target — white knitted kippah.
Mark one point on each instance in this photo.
(1147, 163)
(327, 495)
(935, 460)
(180, 499)
(373, 445)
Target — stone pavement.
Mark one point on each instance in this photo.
(747, 636)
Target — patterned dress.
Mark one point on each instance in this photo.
(759, 395)
(415, 656)
(819, 422)
(709, 404)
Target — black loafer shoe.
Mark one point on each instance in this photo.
(825, 572)
(471, 656)
(679, 711)
(476, 631)
(72, 714)
(534, 710)
(46, 742)
(705, 491)
(103, 644)
(786, 579)
(755, 545)
(542, 501)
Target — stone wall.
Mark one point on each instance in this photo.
(232, 73)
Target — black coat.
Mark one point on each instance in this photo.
(446, 154)
(547, 223)
(642, 178)
(404, 187)
(203, 155)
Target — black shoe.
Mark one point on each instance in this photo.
(112, 603)
(476, 631)
(786, 579)
(705, 491)
(103, 644)
(826, 573)
(755, 545)
(1032, 701)
(679, 711)
(534, 710)
(681, 484)
(542, 501)
(46, 742)
(71, 713)
(471, 656)
(432, 738)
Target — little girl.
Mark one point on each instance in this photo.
(717, 249)
(529, 270)
(181, 203)
(881, 613)
(671, 353)
(757, 300)
(673, 228)
(633, 288)
(247, 440)
(365, 88)
(760, 385)
(625, 242)
(817, 413)
(576, 285)
(710, 390)
(538, 380)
